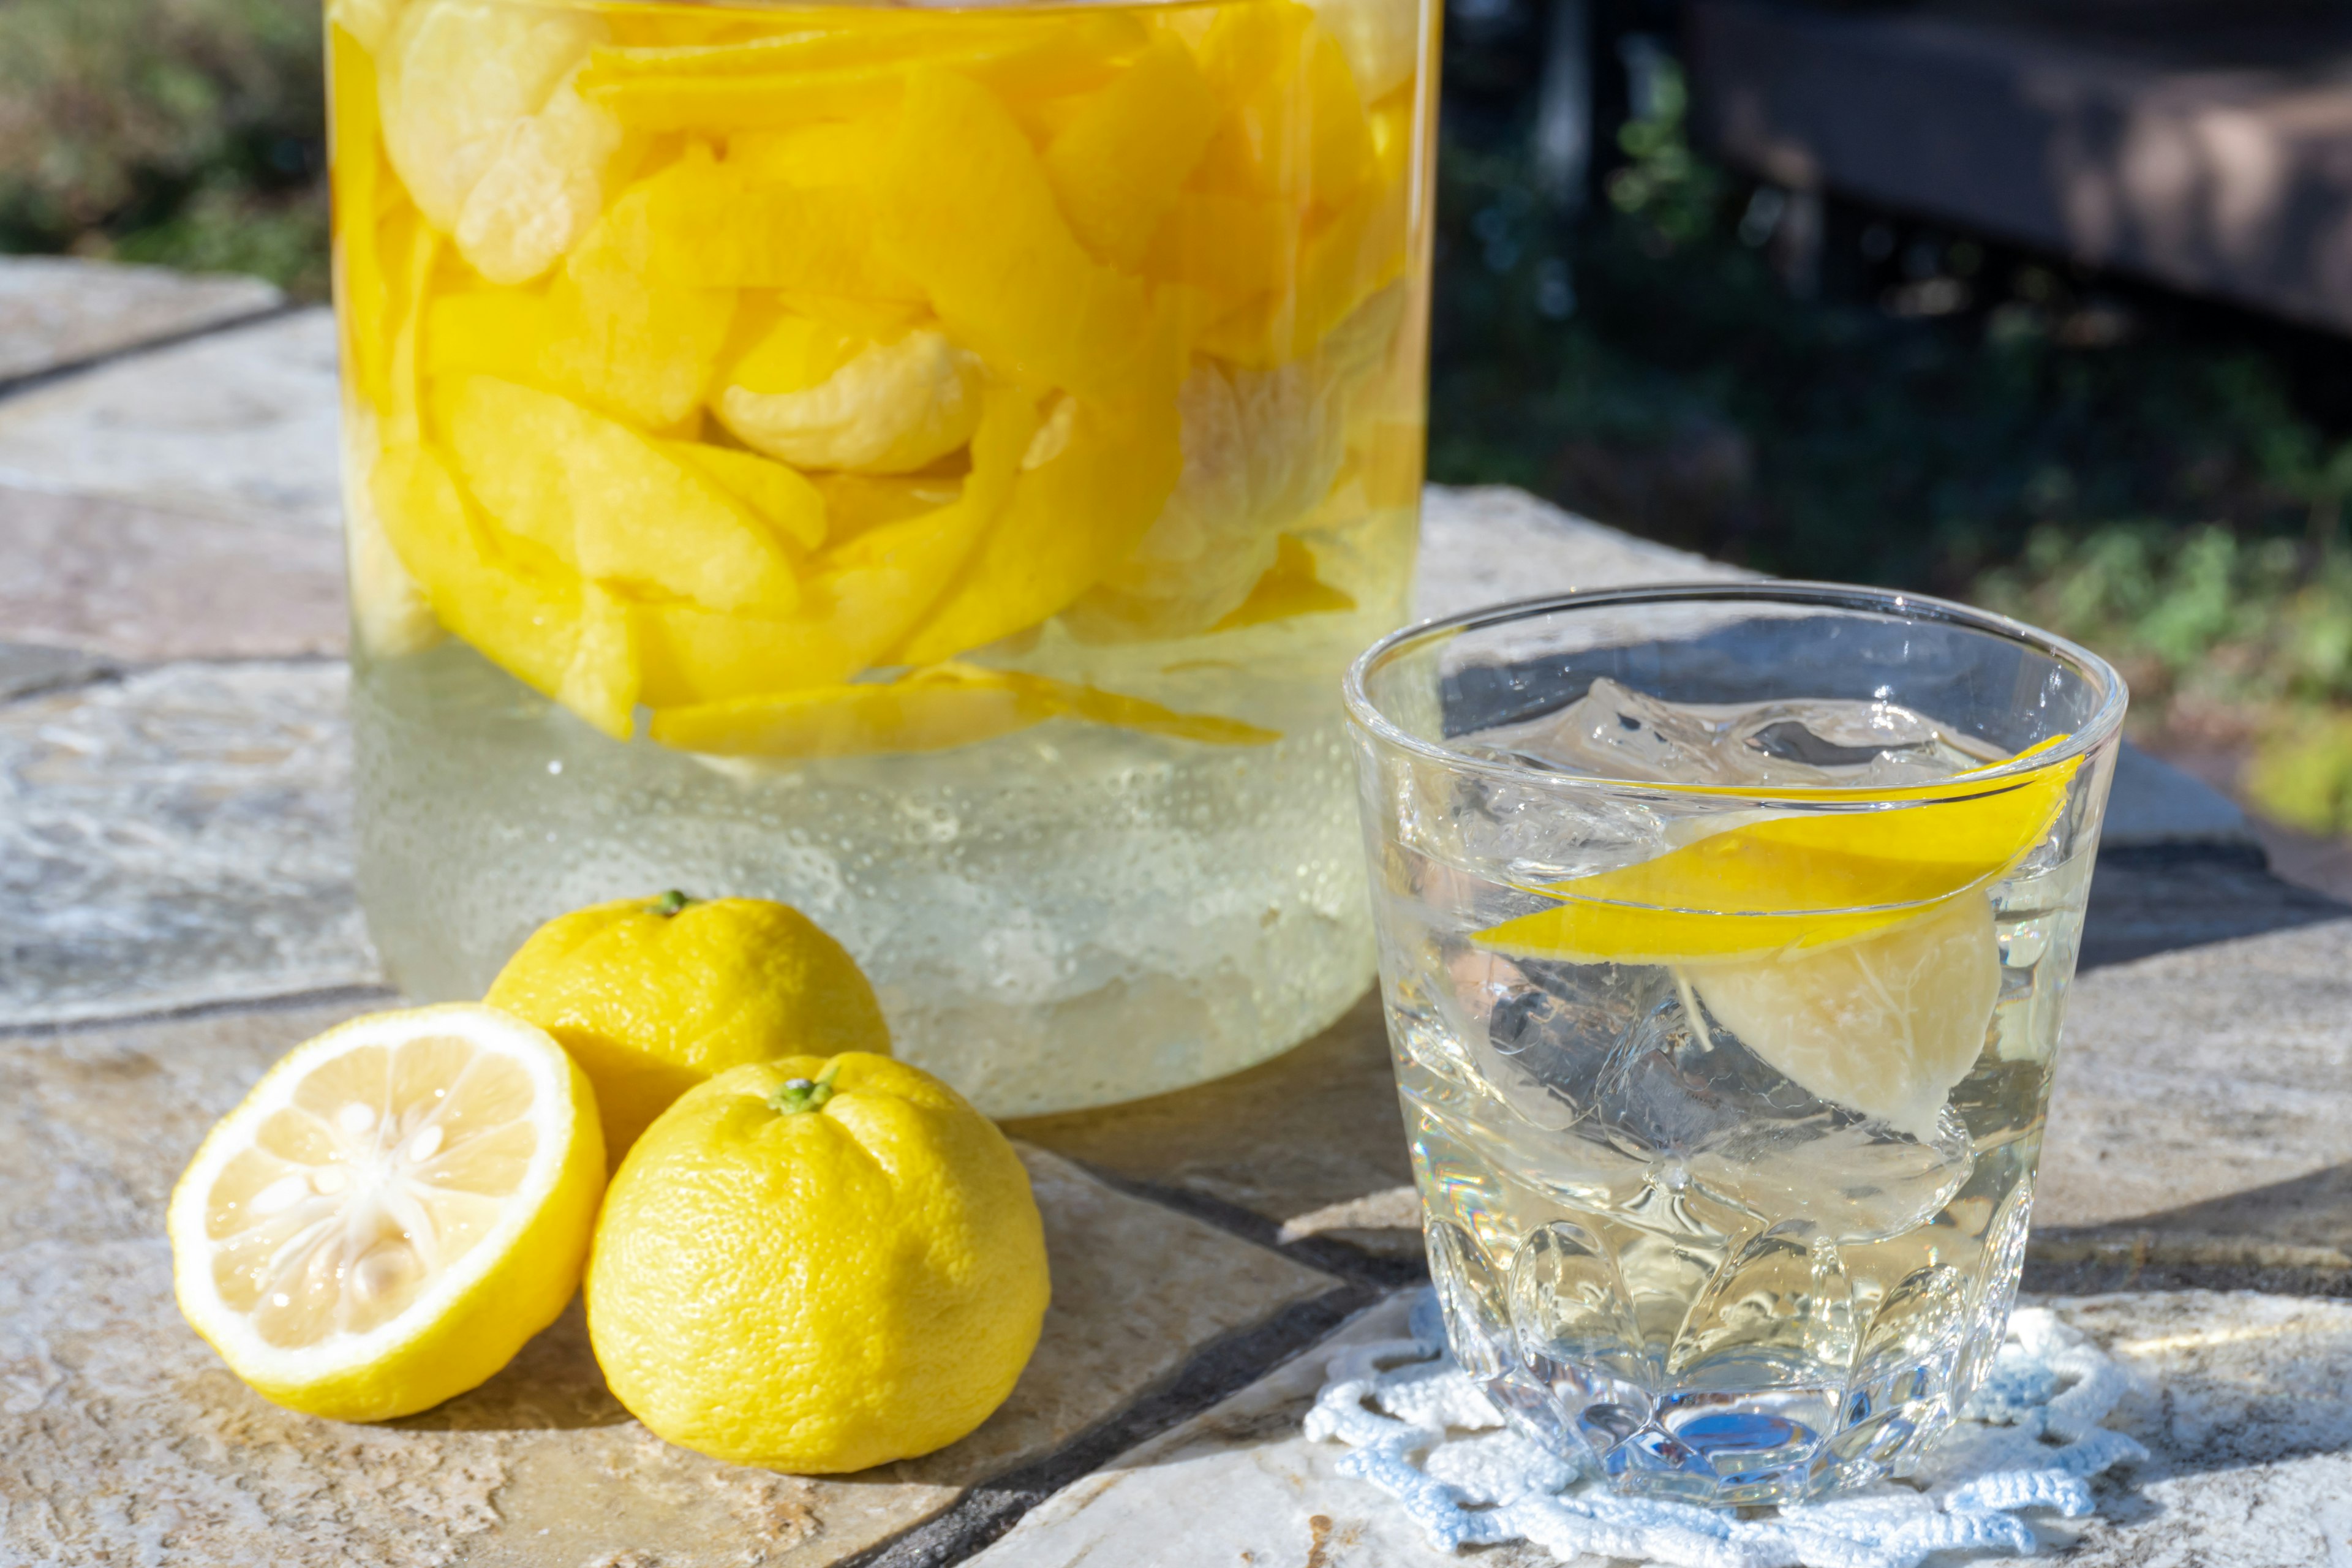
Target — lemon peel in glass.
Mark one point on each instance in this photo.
(457, 77)
(1854, 950)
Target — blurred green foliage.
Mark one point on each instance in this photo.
(2302, 771)
(2158, 483)
(2251, 636)
(1647, 364)
(183, 131)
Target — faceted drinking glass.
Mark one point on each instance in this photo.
(930, 465)
(1724, 933)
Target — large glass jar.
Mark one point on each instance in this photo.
(930, 466)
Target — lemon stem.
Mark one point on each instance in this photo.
(669, 903)
(796, 1095)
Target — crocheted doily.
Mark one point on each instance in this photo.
(2030, 1439)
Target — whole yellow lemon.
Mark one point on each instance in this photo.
(653, 996)
(817, 1265)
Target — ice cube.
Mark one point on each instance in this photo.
(1532, 831)
(1552, 1041)
(1599, 1072)
(1616, 731)
(1857, 1179)
(1678, 1088)
(1849, 743)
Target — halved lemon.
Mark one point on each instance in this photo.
(399, 1203)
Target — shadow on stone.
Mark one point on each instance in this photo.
(553, 1385)
(2152, 898)
(2238, 1385)
(1221, 1368)
(2291, 1237)
(27, 670)
(1314, 1129)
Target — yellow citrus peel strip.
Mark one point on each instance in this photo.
(1792, 883)
(945, 705)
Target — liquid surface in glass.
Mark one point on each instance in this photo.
(928, 466)
(1724, 1124)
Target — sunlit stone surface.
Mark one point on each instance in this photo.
(174, 841)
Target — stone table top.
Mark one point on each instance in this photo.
(176, 909)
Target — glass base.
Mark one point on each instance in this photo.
(1065, 917)
(1773, 1422)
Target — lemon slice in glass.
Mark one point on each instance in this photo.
(1854, 951)
(1885, 1025)
(397, 1206)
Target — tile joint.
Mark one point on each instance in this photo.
(271, 1002)
(34, 380)
(105, 669)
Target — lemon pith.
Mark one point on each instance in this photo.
(817, 1282)
(397, 1206)
(1885, 1026)
(651, 995)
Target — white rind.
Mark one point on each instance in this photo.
(486, 1028)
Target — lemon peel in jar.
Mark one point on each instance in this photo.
(817, 395)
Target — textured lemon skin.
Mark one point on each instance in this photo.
(467, 1345)
(650, 1004)
(821, 1292)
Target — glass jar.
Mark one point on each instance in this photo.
(928, 465)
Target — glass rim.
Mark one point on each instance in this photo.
(1366, 715)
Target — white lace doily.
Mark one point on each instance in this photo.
(1427, 1435)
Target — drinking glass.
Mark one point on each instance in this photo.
(1724, 933)
(928, 465)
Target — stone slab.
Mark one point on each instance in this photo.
(2160, 898)
(29, 668)
(125, 1440)
(1240, 1484)
(2201, 1119)
(231, 424)
(1487, 544)
(1307, 1149)
(57, 311)
(2320, 862)
(2244, 1401)
(140, 584)
(177, 837)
